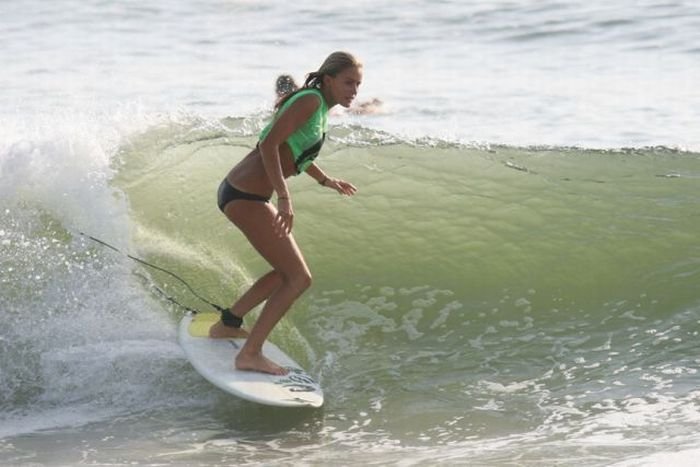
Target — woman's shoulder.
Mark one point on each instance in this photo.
(309, 99)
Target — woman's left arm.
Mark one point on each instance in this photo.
(341, 186)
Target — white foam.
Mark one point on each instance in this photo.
(62, 162)
(684, 458)
(74, 415)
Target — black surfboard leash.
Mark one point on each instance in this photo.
(158, 268)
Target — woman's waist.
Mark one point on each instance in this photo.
(250, 176)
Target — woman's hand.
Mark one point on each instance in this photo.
(284, 218)
(341, 186)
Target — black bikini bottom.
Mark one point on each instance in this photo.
(228, 193)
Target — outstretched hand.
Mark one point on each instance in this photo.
(341, 186)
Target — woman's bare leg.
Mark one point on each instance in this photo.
(255, 295)
(255, 220)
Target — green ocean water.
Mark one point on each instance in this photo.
(556, 277)
(480, 305)
(584, 226)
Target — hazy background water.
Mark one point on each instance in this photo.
(596, 74)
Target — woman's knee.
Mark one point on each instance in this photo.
(299, 280)
(307, 279)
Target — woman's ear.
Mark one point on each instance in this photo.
(327, 80)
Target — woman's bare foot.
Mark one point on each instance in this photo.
(220, 331)
(258, 362)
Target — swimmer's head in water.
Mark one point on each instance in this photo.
(285, 85)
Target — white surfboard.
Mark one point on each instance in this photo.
(213, 359)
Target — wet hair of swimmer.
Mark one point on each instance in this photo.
(284, 85)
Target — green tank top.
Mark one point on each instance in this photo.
(305, 143)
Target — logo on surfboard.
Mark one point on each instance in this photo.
(297, 381)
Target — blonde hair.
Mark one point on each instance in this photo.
(333, 64)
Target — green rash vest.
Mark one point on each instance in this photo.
(305, 143)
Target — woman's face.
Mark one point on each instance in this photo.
(342, 88)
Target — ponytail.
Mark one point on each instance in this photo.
(314, 80)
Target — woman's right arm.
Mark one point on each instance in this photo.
(287, 123)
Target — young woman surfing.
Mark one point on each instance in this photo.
(288, 146)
